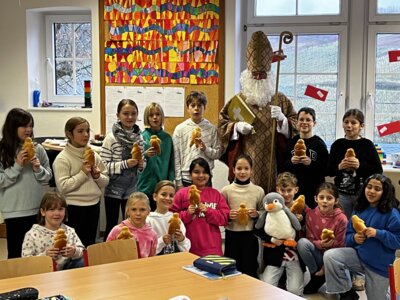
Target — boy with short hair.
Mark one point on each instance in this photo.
(282, 258)
(310, 169)
(208, 146)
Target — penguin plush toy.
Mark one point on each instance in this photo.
(278, 221)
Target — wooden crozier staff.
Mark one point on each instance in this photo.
(285, 37)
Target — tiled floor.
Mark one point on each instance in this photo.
(319, 296)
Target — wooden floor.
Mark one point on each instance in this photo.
(319, 296)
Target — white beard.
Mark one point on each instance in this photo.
(257, 92)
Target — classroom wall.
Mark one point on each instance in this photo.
(15, 91)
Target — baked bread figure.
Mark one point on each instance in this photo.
(174, 224)
(155, 142)
(60, 239)
(300, 148)
(350, 153)
(89, 156)
(196, 134)
(29, 147)
(243, 217)
(358, 224)
(327, 234)
(136, 152)
(194, 195)
(124, 234)
(298, 205)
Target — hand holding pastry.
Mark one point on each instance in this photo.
(95, 171)
(151, 152)
(86, 168)
(21, 157)
(35, 164)
(132, 162)
(202, 207)
(52, 252)
(179, 236)
(68, 251)
(233, 213)
(167, 239)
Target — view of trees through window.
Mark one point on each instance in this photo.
(387, 86)
(72, 57)
(311, 60)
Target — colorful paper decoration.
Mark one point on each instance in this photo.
(177, 51)
(175, 30)
(316, 93)
(388, 128)
(204, 30)
(204, 73)
(174, 73)
(204, 51)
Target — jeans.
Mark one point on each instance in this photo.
(339, 262)
(311, 256)
(347, 202)
(74, 263)
(294, 276)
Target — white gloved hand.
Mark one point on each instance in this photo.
(276, 113)
(243, 127)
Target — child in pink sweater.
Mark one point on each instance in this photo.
(136, 211)
(202, 222)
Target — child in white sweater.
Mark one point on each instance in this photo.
(164, 193)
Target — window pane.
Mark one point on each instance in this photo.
(385, 43)
(83, 40)
(279, 8)
(83, 72)
(387, 89)
(325, 110)
(63, 40)
(311, 60)
(64, 78)
(388, 7)
(305, 7)
(287, 65)
(318, 53)
(318, 7)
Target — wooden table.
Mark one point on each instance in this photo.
(159, 277)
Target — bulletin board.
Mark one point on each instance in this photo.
(178, 43)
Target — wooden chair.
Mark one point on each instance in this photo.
(23, 266)
(113, 251)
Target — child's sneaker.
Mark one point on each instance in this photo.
(358, 284)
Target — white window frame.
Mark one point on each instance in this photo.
(341, 30)
(253, 19)
(373, 30)
(375, 17)
(50, 64)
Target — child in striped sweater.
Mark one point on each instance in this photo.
(188, 146)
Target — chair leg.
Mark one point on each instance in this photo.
(392, 286)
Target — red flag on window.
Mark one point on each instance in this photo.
(316, 93)
(276, 57)
(394, 55)
(389, 128)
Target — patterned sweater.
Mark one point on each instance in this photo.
(185, 154)
(38, 239)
